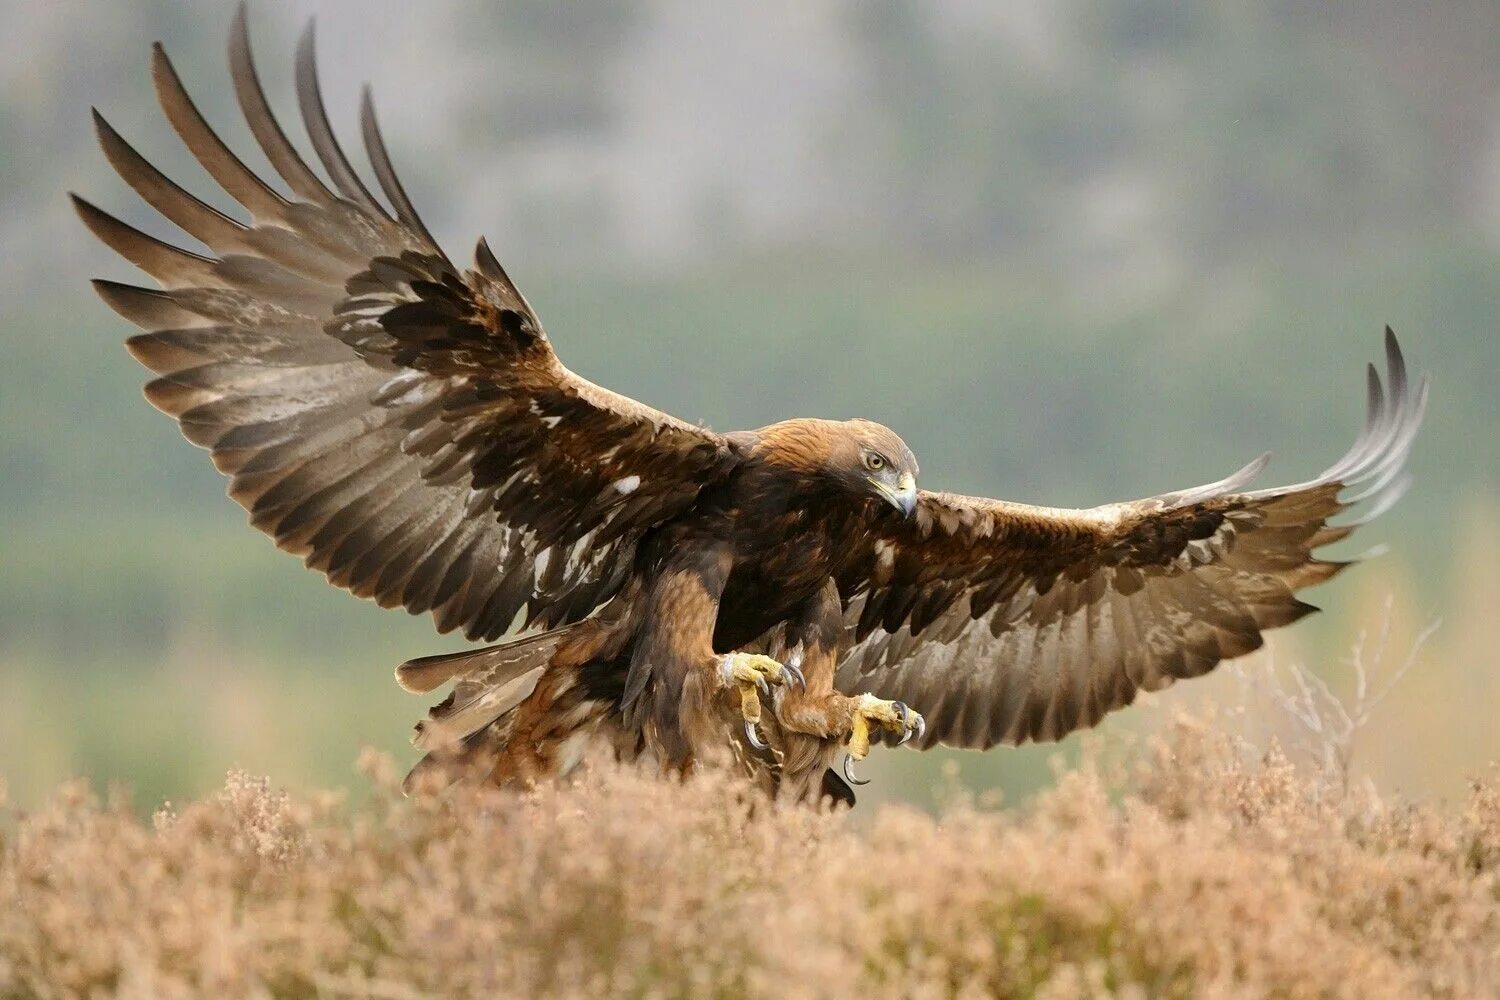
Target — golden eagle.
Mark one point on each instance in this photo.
(780, 595)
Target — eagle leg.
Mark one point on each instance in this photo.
(752, 675)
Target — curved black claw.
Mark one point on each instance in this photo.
(904, 714)
(921, 727)
(765, 688)
(794, 674)
(849, 772)
(753, 738)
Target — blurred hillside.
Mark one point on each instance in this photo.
(1073, 252)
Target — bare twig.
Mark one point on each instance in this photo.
(1329, 724)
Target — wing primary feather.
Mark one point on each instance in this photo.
(1374, 419)
(170, 265)
(263, 124)
(1378, 478)
(1395, 364)
(1233, 482)
(203, 222)
(1372, 440)
(315, 118)
(1244, 476)
(147, 308)
(385, 173)
(1397, 434)
(1386, 437)
(203, 142)
(1386, 501)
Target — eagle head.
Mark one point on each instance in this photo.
(859, 456)
(877, 460)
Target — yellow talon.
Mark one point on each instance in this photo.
(893, 715)
(752, 675)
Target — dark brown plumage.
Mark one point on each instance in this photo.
(405, 427)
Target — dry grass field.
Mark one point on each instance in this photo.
(1193, 866)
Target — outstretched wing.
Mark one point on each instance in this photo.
(403, 426)
(1002, 622)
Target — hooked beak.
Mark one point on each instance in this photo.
(902, 496)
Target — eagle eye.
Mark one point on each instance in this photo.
(874, 462)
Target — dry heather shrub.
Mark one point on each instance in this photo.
(1203, 874)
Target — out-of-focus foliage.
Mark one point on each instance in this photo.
(1192, 872)
(1072, 251)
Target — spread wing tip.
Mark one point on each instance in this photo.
(1372, 474)
(1377, 458)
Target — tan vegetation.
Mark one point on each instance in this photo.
(1187, 869)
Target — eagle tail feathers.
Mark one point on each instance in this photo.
(427, 673)
(468, 730)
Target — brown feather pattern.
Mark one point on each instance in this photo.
(403, 426)
(1004, 623)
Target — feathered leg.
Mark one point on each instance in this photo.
(816, 721)
(681, 694)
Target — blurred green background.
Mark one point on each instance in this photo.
(1073, 252)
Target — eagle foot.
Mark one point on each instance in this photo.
(871, 712)
(752, 675)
